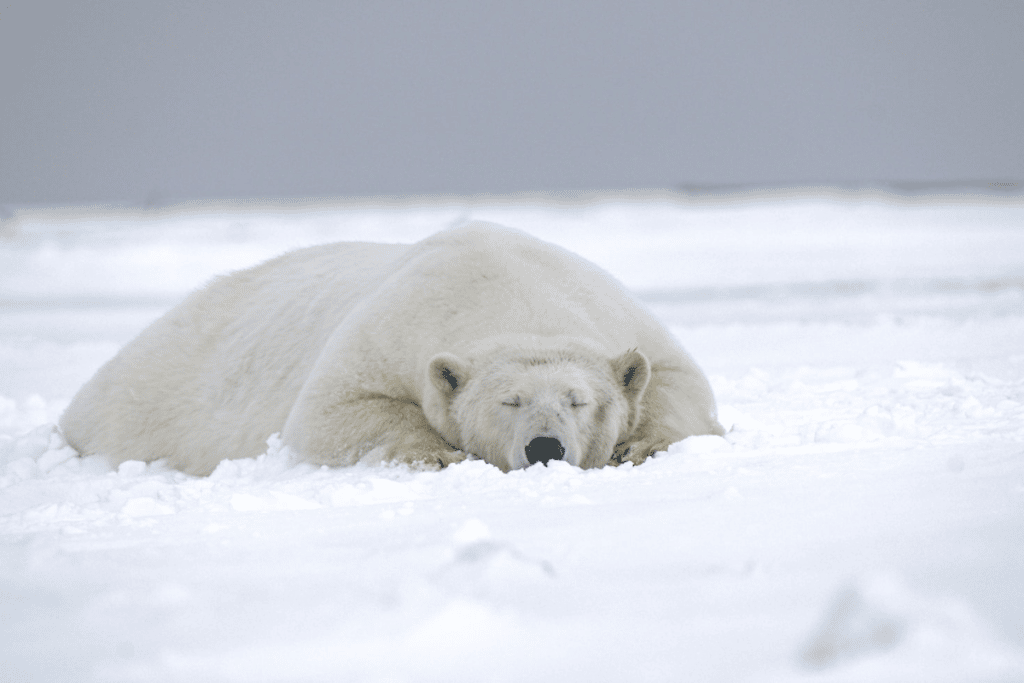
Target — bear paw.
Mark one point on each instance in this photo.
(636, 452)
(450, 458)
(433, 459)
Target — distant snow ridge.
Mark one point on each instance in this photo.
(877, 630)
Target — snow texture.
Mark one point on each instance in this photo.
(862, 520)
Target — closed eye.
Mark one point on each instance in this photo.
(578, 405)
(514, 403)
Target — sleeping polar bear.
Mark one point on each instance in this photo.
(479, 340)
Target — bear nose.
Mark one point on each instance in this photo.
(544, 448)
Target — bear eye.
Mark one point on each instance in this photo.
(576, 404)
(512, 403)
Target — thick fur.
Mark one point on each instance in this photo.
(476, 340)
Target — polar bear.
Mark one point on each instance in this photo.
(479, 340)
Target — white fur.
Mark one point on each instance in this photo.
(409, 351)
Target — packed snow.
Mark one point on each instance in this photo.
(862, 519)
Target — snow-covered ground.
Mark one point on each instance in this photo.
(863, 519)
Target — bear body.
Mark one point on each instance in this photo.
(479, 340)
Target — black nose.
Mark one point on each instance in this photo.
(544, 448)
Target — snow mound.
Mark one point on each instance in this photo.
(878, 630)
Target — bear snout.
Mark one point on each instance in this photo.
(544, 448)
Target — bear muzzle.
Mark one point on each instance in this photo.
(544, 448)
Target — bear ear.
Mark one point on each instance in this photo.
(633, 372)
(447, 373)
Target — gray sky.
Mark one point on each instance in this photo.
(124, 101)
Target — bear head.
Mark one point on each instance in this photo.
(516, 407)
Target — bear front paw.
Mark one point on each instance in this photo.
(636, 452)
(450, 458)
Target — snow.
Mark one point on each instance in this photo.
(862, 519)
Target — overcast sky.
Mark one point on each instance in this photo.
(129, 101)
